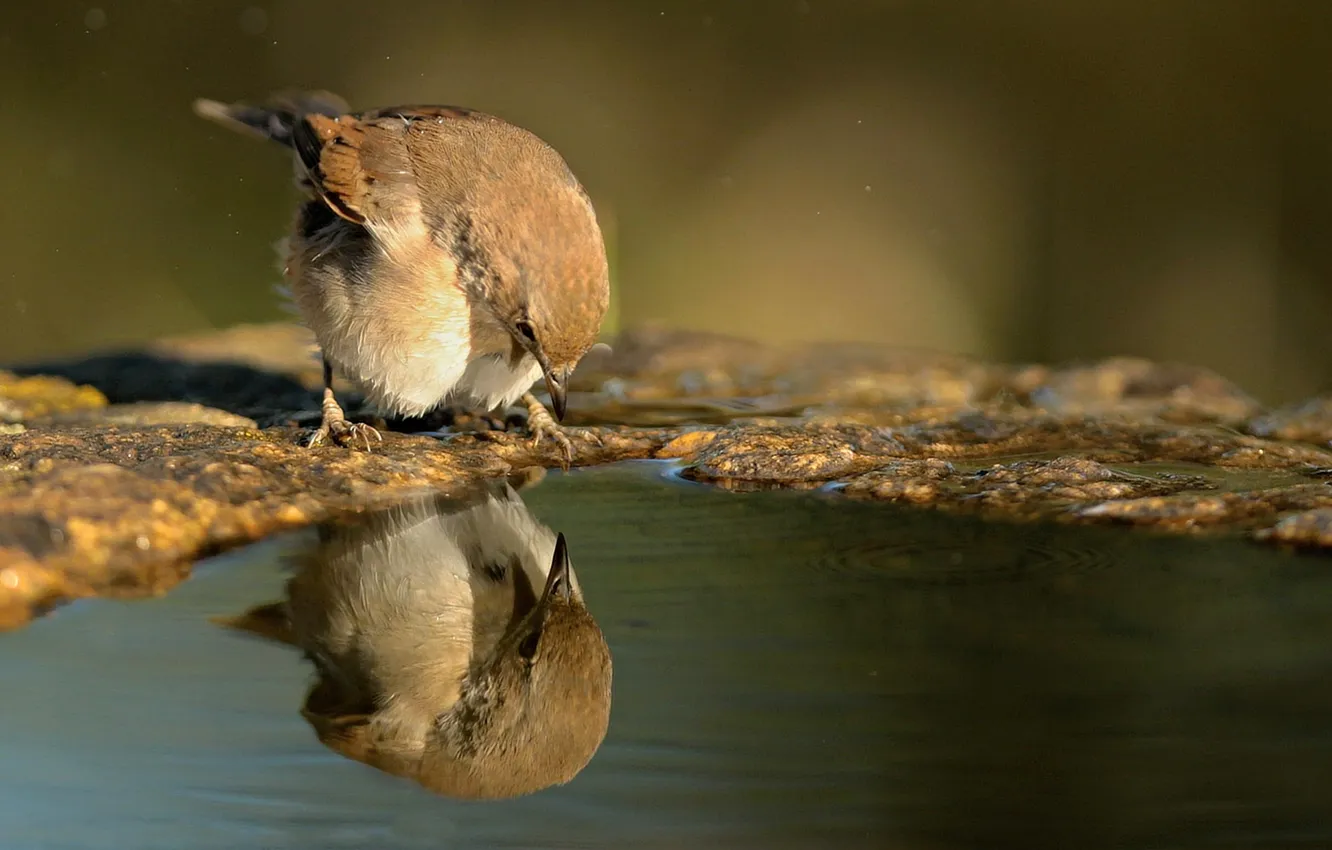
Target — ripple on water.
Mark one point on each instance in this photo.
(969, 553)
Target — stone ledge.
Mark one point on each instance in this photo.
(119, 470)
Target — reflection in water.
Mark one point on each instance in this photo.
(791, 672)
(451, 644)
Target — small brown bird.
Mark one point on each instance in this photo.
(442, 254)
(452, 644)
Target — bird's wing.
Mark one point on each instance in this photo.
(360, 165)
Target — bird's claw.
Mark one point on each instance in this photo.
(540, 424)
(344, 433)
(333, 425)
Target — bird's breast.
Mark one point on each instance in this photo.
(491, 381)
(391, 317)
(389, 312)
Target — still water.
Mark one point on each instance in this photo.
(790, 671)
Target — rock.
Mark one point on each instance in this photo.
(119, 469)
(23, 398)
(1035, 488)
(919, 481)
(109, 510)
(652, 365)
(1311, 528)
(1109, 440)
(788, 455)
(1136, 387)
(144, 414)
(1309, 421)
(1195, 512)
(135, 377)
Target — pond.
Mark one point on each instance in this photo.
(789, 671)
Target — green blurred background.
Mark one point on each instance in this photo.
(1019, 179)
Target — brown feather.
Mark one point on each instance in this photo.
(449, 228)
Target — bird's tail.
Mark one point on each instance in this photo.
(276, 118)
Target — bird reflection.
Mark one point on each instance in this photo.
(451, 645)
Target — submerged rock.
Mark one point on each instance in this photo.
(120, 469)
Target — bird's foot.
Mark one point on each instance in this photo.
(335, 428)
(540, 425)
(344, 433)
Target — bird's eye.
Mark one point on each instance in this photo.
(527, 649)
(528, 332)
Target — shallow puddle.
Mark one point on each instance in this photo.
(790, 670)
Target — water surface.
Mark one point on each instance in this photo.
(791, 670)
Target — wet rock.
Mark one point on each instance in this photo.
(788, 455)
(1195, 511)
(23, 398)
(1109, 440)
(1071, 480)
(1020, 488)
(1305, 529)
(114, 511)
(1131, 386)
(136, 377)
(919, 481)
(1309, 421)
(268, 373)
(656, 363)
(145, 413)
(652, 365)
(119, 469)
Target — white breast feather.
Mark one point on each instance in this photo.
(491, 383)
(404, 370)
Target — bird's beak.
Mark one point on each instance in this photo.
(557, 392)
(559, 582)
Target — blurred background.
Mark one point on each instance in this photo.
(1015, 179)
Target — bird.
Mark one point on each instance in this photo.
(440, 254)
(452, 645)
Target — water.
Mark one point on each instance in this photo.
(790, 671)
